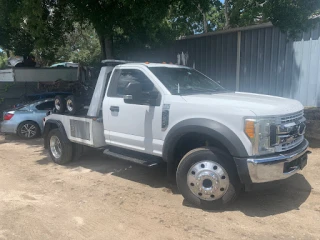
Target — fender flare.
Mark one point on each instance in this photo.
(49, 126)
(214, 129)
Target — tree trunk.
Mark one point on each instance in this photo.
(226, 14)
(106, 44)
(205, 23)
(204, 19)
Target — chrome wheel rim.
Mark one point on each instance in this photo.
(69, 105)
(28, 130)
(55, 146)
(57, 104)
(208, 180)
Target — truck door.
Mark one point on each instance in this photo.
(135, 126)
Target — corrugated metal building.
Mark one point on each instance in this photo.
(258, 59)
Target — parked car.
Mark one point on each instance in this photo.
(65, 64)
(45, 95)
(26, 120)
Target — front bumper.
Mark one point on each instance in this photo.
(275, 167)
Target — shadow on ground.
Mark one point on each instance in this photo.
(274, 198)
(14, 139)
(314, 143)
(96, 161)
(265, 200)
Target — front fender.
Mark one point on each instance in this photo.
(214, 129)
(52, 124)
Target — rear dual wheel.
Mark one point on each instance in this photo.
(69, 104)
(72, 105)
(207, 178)
(60, 104)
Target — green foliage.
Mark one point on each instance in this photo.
(81, 30)
(3, 60)
(246, 12)
(190, 17)
(138, 23)
(291, 16)
(80, 46)
(33, 24)
(12, 36)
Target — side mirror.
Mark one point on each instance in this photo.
(133, 92)
(153, 98)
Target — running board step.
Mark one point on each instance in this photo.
(135, 157)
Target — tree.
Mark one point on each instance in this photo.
(38, 24)
(13, 37)
(139, 22)
(48, 26)
(292, 16)
(3, 59)
(191, 17)
(80, 46)
(45, 21)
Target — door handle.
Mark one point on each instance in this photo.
(114, 109)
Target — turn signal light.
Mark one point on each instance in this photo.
(249, 128)
(7, 116)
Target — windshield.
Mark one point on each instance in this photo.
(183, 81)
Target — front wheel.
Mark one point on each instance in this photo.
(207, 178)
(60, 152)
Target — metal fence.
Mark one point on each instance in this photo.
(258, 59)
(272, 64)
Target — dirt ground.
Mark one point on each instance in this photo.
(103, 198)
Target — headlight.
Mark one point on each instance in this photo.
(258, 131)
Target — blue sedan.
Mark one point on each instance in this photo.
(27, 120)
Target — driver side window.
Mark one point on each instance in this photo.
(130, 75)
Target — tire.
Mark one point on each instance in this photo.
(208, 178)
(28, 130)
(60, 104)
(60, 153)
(71, 105)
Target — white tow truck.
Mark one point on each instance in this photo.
(214, 141)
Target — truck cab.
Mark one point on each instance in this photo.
(214, 141)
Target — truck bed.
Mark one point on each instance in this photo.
(81, 129)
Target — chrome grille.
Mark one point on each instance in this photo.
(287, 146)
(293, 138)
(292, 117)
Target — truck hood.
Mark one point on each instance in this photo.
(261, 105)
